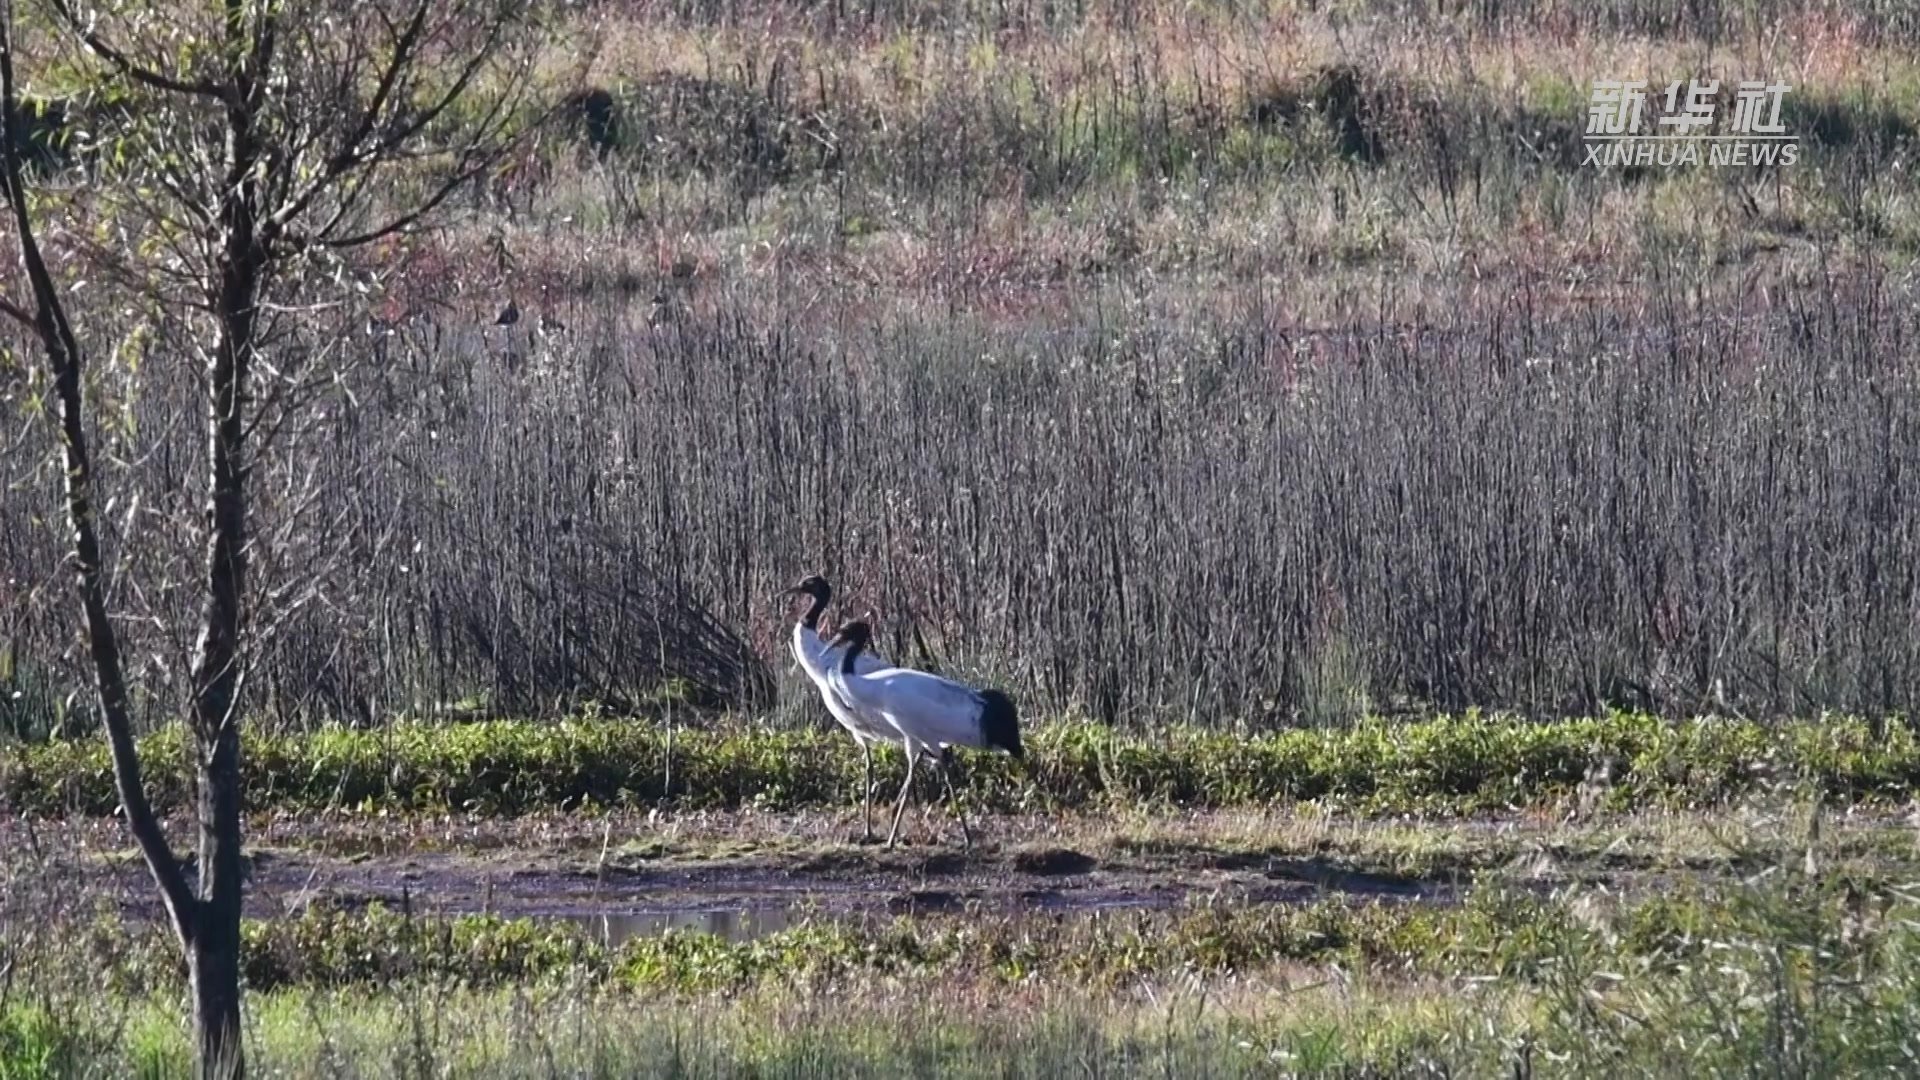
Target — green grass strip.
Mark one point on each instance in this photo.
(1461, 764)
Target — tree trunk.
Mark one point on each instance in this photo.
(213, 958)
(214, 952)
(213, 970)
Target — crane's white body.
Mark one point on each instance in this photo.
(819, 660)
(923, 712)
(928, 714)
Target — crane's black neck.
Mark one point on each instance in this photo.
(811, 620)
(853, 649)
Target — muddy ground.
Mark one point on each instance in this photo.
(742, 873)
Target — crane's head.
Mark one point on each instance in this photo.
(855, 635)
(1000, 723)
(812, 585)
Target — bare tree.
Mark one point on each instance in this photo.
(259, 149)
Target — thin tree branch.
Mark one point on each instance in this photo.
(351, 153)
(402, 223)
(63, 355)
(125, 65)
(18, 314)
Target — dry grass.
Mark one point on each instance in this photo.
(872, 226)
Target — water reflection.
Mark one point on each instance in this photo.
(751, 923)
(733, 924)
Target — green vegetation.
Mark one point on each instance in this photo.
(1495, 932)
(1780, 974)
(1742, 941)
(1476, 762)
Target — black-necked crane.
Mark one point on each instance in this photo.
(930, 714)
(817, 659)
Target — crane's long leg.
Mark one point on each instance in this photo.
(953, 797)
(906, 789)
(866, 792)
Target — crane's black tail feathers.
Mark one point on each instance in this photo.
(1000, 723)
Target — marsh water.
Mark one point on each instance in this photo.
(610, 928)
